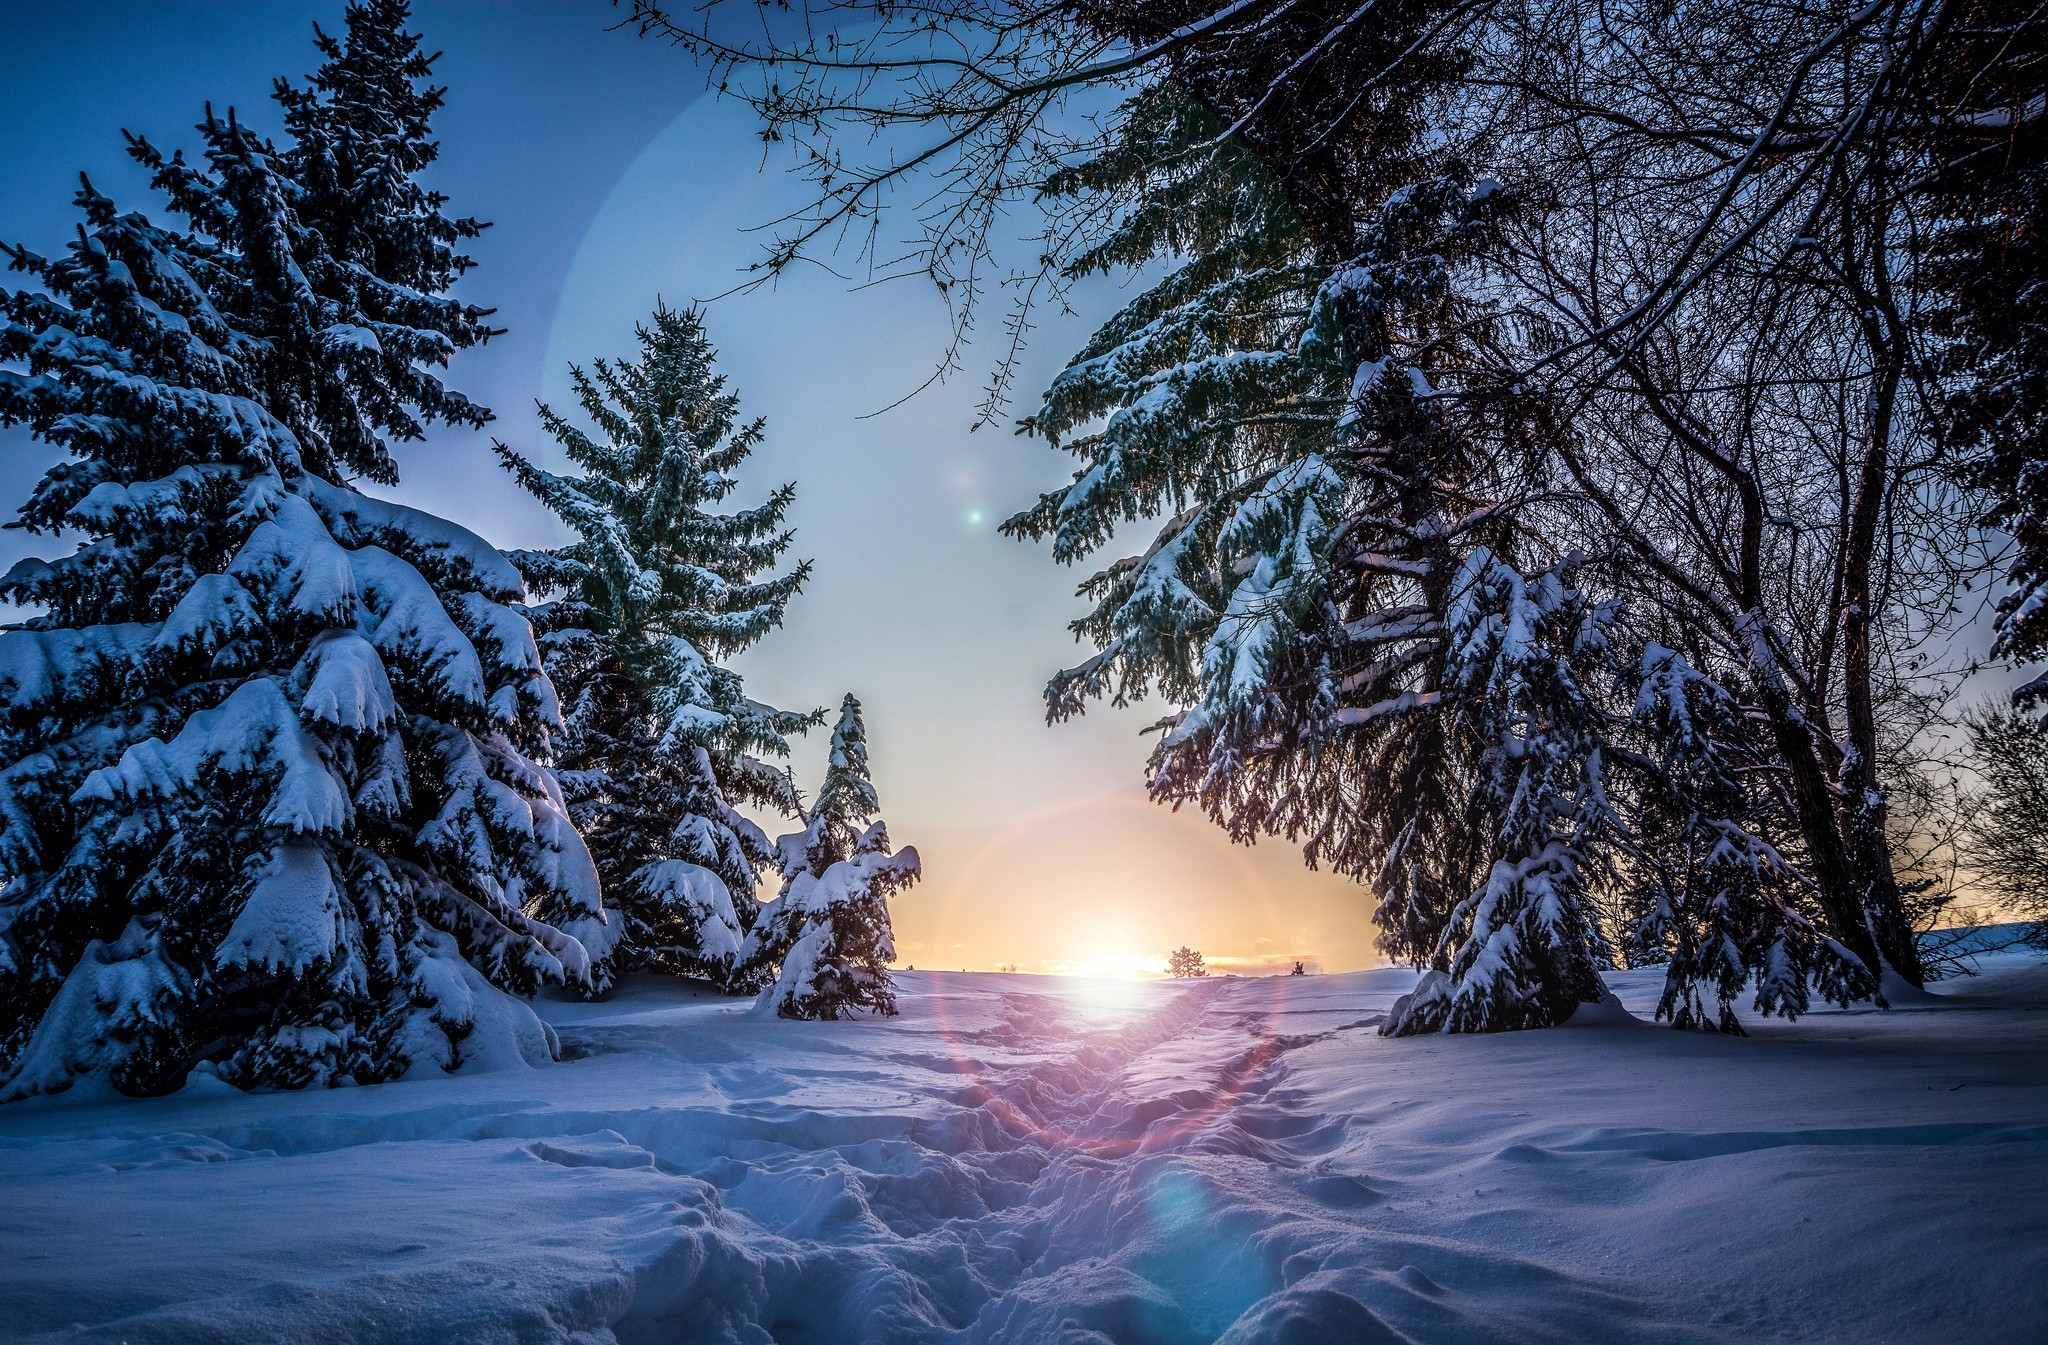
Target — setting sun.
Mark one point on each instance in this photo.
(1118, 966)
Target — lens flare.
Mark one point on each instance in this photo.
(1119, 966)
(1019, 1102)
(956, 912)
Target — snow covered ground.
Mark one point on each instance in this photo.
(1032, 1159)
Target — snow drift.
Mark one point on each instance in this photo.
(1034, 1159)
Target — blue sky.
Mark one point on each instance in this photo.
(610, 180)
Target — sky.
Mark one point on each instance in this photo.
(611, 180)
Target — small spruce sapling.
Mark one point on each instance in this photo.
(830, 928)
(1708, 895)
(1520, 944)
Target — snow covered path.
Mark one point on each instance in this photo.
(1031, 1159)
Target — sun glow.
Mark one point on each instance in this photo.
(1117, 966)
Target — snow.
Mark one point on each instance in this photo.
(1023, 1158)
(112, 990)
(676, 885)
(410, 627)
(292, 916)
(215, 610)
(253, 732)
(348, 686)
(37, 666)
(799, 972)
(450, 555)
(291, 559)
(469, 1023)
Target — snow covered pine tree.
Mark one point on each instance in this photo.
(830, 927)
(267, 803)
(1520, 693)
(1702, 886)
(662, 741)
(1335, 601)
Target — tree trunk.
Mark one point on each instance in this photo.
(1834, 872)
(1863, 802)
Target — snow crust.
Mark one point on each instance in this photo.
(1032, 1159)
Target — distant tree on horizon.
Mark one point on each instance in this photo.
(1185, 962)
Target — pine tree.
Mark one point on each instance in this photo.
(1331, 451)
(663, 745)
(829, 929)
(1705, 889)
(267, 789)
(1185, 962)
(1978, 124)
(1521, 689)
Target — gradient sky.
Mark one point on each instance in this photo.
(611, 180)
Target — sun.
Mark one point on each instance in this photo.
(1120, 966)
(1112, 984)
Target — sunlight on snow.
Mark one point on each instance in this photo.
(1122, 966)
(1108, 994)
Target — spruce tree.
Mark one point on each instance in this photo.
(350, 264)
(267, 790)
(1522, 690)
(1712, 896)
(1194, 402)
(661, 587)
(829, 930)
(1977, 125)
(1338, 466)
